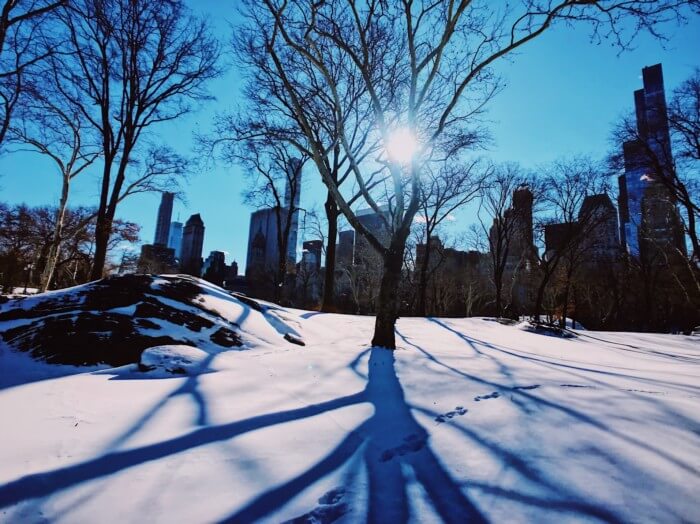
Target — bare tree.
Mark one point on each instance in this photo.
(508, 228)
(443, 193)
(565, 186)
(274, 183)
(269, 79)
(425, 68)
(22, 46)
(139, 63)
(54, 126)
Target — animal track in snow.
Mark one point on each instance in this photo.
(459, 410)
(495, 394)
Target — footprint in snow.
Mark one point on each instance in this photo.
(519, 388)
(459, 410)
(495, 394)
(330, 508)
(412, 443)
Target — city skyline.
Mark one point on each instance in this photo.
(540, 77)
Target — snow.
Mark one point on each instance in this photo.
(468, 419)
(174, 358)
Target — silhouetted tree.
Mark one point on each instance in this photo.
(139, 63)
(51, 123)
(23, 45)
(425, 68)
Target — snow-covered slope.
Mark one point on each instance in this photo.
(113, 320)
(469, 420)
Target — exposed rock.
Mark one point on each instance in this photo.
(113, 320)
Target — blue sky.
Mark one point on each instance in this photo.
(562, 95)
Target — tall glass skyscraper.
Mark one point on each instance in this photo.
(647, 210)
(165, 211)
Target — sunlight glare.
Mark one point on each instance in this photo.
(401, 145)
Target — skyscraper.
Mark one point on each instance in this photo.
(263, 251)
(175, 238)
(214, 269)
(165, 211)
(192, 242)
(344, 249)
(312, 253)
(603, 242)
(648, 212)
(377, 224)
(292, 198)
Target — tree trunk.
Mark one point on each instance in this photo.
(102, 234)
(499, 291)
(328, 300)
(565, 306)
(540, 298)
(388, 299)
(423, 281)
(103, 227)
(52, 256)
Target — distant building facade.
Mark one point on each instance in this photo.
(376, 223)
(165, 211)
(648, 211)
(344, 249)
(156, 259)
(175, 238)
(292, 199)
(215, 269)
(312, 250)
(263, 247)
(192, 243)
(603, 243)
(263, 251)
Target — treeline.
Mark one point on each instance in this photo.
(26, 235)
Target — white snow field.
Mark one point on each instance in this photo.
(468, 421)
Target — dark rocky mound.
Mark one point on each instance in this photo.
(113, 320)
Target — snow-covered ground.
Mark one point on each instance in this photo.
(469, 420)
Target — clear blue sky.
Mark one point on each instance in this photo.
(562, 95)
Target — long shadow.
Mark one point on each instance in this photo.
(391, 440)
(393, 447)
(49, 482)
(582, 417)
(550, 364)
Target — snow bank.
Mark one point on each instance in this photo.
(174, 359)
(113, 320)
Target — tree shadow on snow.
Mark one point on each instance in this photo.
(391, 447)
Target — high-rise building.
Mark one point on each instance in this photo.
(292, 199)
(156, 259)
(647, 160)
(378, 224)
(263, 251)
(192, 243)
(215, 269)
(312, 254)
(263, 246)
(517, 223)
(175, 237)
(165, 211)
(603, 241)
(344, 249)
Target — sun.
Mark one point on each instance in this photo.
(401, 145)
